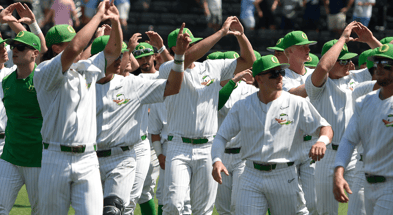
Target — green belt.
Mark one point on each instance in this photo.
(192, 141)
(107, 153)
(334, 147)
(143, 137)
(232, 150)
(307, 138)
(268, 167)
(361, 158)
(74, 149)
(372, 179)
(2, 135)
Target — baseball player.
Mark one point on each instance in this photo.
(279, 51)
(192, 120)
(372, 109)
(330, 89)
(67, 97)
(312, 62)
(271, 124)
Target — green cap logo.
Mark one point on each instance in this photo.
(123, 45)
(279, 41)
(236, 55)
(304, 36)
(345, 47)
(383, 48)
(20, 34)
(309, 59)
(274, 59)
(71, 29)
(139, 47)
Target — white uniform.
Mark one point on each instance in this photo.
(192, 114)
(3, 117)
(228, 190)
(68, 105)
(305, 166)
(271, 134)
(371, 124)
(334, 101)
(119, 108)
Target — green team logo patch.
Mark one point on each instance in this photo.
(279, 41)
(274, 59)
(309, 59)
(206, 80)
(389, 121)
(283, 119)
(189, 32)
(345, 47)
(140, 47)
(20, 34)
(31, 88)
(71, 29)
(120, 99)
(383, 48)
(304, 36)
(123, 45)
(236, 55)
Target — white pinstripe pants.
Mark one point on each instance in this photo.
(151, 178)
(306, 172)
(2, 142)
(12, 178)
(277, 189)
(189, 166)
(357, 206)
(379, 197)
(118, 174)
(229, 189)
(70, 178)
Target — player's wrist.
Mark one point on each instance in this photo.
(159, 51)
(324, 139)
(34, 28)
(178, 63)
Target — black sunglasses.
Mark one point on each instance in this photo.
(387, 64)
(275, 73)
(142, 51)
(21, 47)
(343, 62)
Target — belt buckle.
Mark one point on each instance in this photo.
(78, 149)
(270, 168)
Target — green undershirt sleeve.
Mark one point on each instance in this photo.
(225, 93)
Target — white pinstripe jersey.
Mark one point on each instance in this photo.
(68, 101)
(193, 112)
(10, 62)
(271, 132)
(334, 100)
(145, 114)
(293, 79)
(3, 116)
(120, 104)
(240, 92)
(372, 124)
(157, 121)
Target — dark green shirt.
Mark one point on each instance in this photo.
(23, 142)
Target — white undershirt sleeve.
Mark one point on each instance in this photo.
(344, 153)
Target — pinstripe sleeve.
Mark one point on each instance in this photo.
(165, 69)
(150, 91)
(48, 74)
(313, 92)
(311, 119)
(230, 127)
(363, 89)
(155, 123)
(228, 69)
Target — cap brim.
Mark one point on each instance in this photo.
(272, 49)
(195, 40)
(282, 65)
(306, 43)
(371, 58)
(9, 41)
(310, 64)
(348, 56)
(124, 50)
(144, 55)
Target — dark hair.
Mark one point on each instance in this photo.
(255, 83)
(48, 54)
(171, 52)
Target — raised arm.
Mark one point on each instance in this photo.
(300, 91)
(132, 43)
(319, 76)
(156, 41)
(113, 48)
(366, 36)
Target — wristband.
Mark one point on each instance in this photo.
(178, 63)
(179, 57)
(324, 139)
(159, 51)
(157, 147)
(34, 28)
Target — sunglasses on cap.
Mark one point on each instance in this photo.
(21, 47)
(142, 51)
(343, 62)
(275, 73)
(387, 64)
(120, 57)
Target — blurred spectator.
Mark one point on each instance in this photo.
(214, 18)
(45, 5)
(336, 11)
(124, 10)
(288, 13)
(311, 16)
(90, 10)
(265, 14)
(363, 10)
(247, 9)
(60, 13)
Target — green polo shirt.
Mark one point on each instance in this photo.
(23, 142)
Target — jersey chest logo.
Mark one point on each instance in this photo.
(388, 122)
(31, 88)
(120, 99)
(351, 85)
(283, 119)
(206, 80)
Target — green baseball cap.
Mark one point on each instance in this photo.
(386, 40)
(385, 51)
(27, 38)
(59, 34)
(344, 55)
(313, 61)
(257, 55)
(143, 50)
(172, 37)
(279, 46)
(265, 63)
(231, 55)
(296, 38)
(215, 55)
(370, 64)
(2, 40)
(99, 44)
(124, 47)
(363, 56)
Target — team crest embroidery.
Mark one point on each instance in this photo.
(351, 85)
(20, 34)
(345, 47)
(120, 99)
(283, 119)
(188, 32)
(304, 36)
(140, 47)
(88, 85)
(207, 80)
(279, 41)
(274, 59)
(31, 88)
(383, 48)
(310, 59)
(236, 55)
(71, 29)
(389, 121)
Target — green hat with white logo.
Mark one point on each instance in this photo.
(344, 55)
(124, 47)
(215, 55)
(172, 37)
(385, 51)
(59, 34)
(27, 38)
(363, 57)
(99, 44)
(143, 50)
(279, 46)
(231, 55)
(370, 64)
(257, 55)
(313, 61)
(265, 63)
(296, 38)
(386, 40)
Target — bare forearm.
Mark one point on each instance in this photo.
(374, 43)
(155, 137)
(134, 63)
(173, 84)
(166, 56)
(113, 48)
(327, 131)
(300, 91)
(247, 56)
(16, 27)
